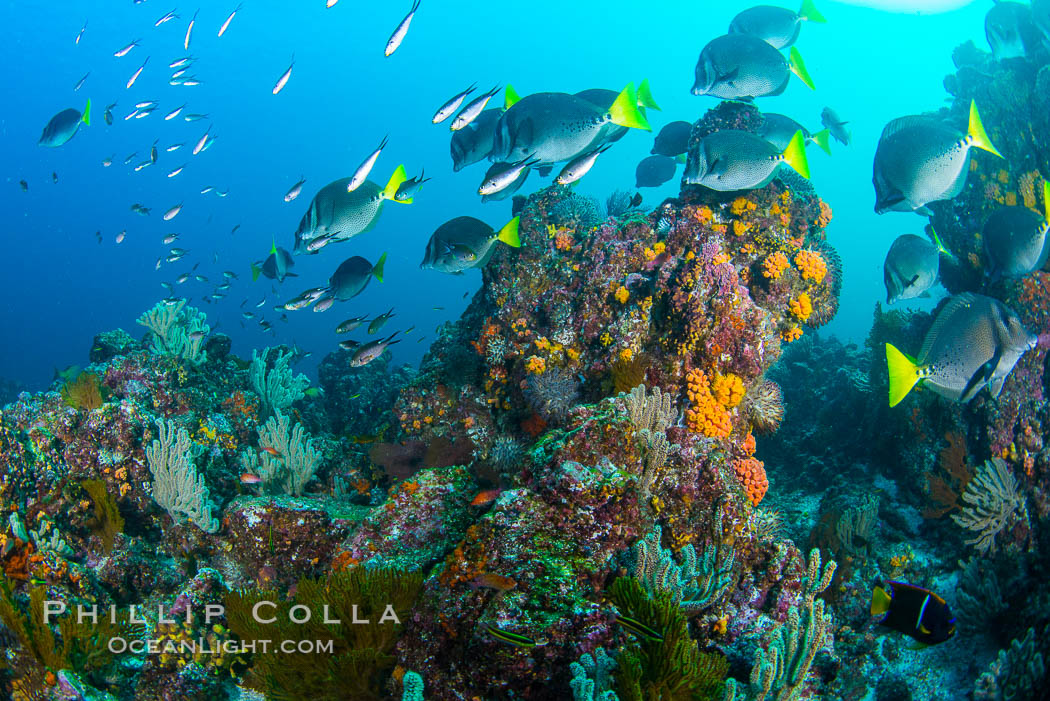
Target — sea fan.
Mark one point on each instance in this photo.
(552, 394)
(765, 407)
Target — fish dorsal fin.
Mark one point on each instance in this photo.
(946, 316)
(901, 123)
(880, 601)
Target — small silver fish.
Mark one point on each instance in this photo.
(295, 190)
(121, 235)
(200, 143)
(120, 53)
(451, 105)
(361, 174)
(283, 80)
(371, 350)
(226, 24)
(189, 31)
(173, 147)
(80, 83)
(579, 166)
(173, 212)
(194, 117)
(174, 113)
(380, 321)
(469, 113)
(80, 34)
(180, 62)
(166, 18)
(107, 162)
(136, 74)
(402, 29)
(499, 178)
(170, 239)
(175, 172)
(350, 324)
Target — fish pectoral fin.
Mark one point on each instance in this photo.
(728, 77)
(717, 167)
(924, 629)
(914, 279)
(996, 386)
(980, 378)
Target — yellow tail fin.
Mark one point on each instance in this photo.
(645, 96)
(510, 96)
(880, 601)
(377, 269)
(795, 155)
(904, 373)
(393, 184)
(509, 233)
(809, 11)
(86, 117)
(823, 139)
(624, 111)
(799, 68)
(976, 133)
(940, 246)
(1046, 199)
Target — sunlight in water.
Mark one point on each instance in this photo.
(910, 6)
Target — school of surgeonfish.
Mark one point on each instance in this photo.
(975, 340)
(562, 135)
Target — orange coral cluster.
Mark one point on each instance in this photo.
(774, 265)
(812, 266)
(706, 415)
(728, 389)
(752, 476)
(801, 306)
(535, 364)
(563, 240)
(825, 215)
(741, 205)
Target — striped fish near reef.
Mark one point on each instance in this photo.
(914, 611)
(509, 638)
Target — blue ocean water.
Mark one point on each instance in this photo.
(61, 286)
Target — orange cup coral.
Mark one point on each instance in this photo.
(752, 476)
(812, 266)
(705, 415)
